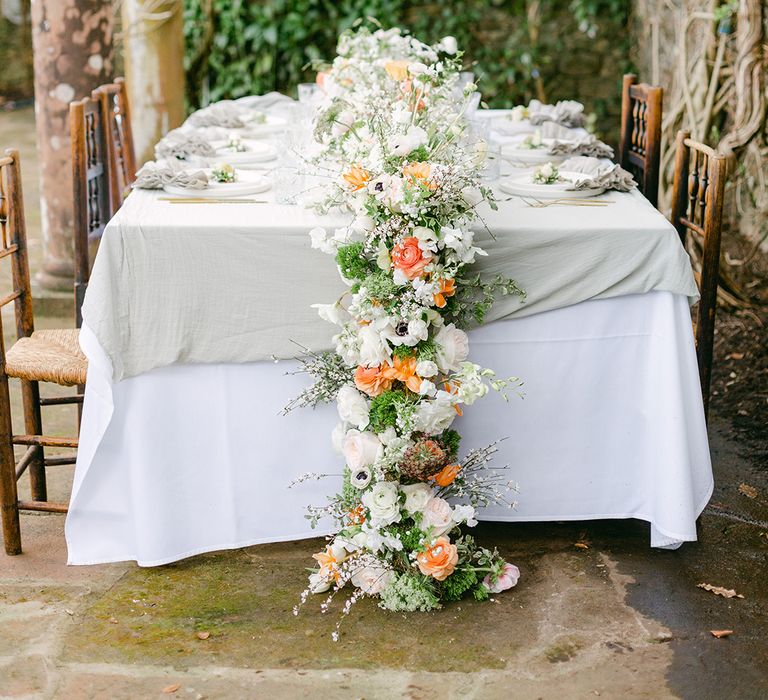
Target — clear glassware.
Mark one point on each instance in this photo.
(308, 93)
(288, 181)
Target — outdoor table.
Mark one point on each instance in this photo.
(184, 451)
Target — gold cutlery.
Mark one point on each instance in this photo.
(210, 200)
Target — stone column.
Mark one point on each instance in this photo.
(72, 42)
(154, 70)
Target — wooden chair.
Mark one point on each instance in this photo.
(697, 207)
(116, 116)
(640, 138)
(91, 185)
(36, 356)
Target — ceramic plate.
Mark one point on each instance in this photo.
(521, 185)
(258, 152)
(246, 183)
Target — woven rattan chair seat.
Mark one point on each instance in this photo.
(48, 356)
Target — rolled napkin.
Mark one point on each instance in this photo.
(183, 144)
(226, 114)
(601, 174)
(566, 112)
(155, 175)
(553, 130)
(582, 146)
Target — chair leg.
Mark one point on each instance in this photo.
(9, 500)
(33, 425)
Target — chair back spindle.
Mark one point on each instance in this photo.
(640, 138)
(697, 211)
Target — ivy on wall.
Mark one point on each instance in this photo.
(519, 48)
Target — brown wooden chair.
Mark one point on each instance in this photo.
(48, 355)
(91, 186)
(697, 207)
(113, 99)
(640, 138)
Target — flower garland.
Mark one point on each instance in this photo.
(392, 117)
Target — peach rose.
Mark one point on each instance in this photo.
(439, 560)
(447, 475)
(372, 380)
(409, 258)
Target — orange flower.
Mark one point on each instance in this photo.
(447, 475)
(329, 565)
(372, 380)
(439, 560)
(404, 369)
(419, 174)
(397, 70)
(409, 258)
(357, 178)
(356, 516)
(451, 389)
(447, 289)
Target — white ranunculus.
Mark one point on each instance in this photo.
(383, 503)
(418, 329)
(427, 388)
(426, 368)
(363, 222)
(333, 313)
(434, 415)
(465, 514)
(449, 45)
(452, 348)
(438, 515)
(361, 449)
(337, 436)
(372, 579)
(416, 497)
(374, 349)
(353, 407)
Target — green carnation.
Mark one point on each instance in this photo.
(457, 584)
(352, 262)
(384, 410)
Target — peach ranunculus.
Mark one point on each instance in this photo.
(419, 173)
(357, 178)
(447, 289)
(404, 369)
(447, 475)
(438, 560)
(372, 380)
(397, 70)
(408, 257)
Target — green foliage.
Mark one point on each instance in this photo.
(352, 261)
(380, 286)
(450, 440)
(241, 47)
(384, 409)
(457, 584)
(408, 593)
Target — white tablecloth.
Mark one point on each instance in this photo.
(193, 458)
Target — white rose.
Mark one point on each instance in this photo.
(452, 348)
(337, 436)
(352, 407)
(333, 313)
(546, 170)
(426, 368)
(374, 349)
(318, 583)
(464, 514)
(372, 579)
(361, 449)
(437, 515)
(383, 503)
(449, 44)
(416, 497)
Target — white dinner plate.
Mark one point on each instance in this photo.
(528, 156)
(507, 127)
(522, 186)
(258, 152)
(246, 183)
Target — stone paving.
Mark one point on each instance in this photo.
(608, 618)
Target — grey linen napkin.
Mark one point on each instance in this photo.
(225, 113)
(566, 112)
(183, 144)
(600, 174)
(582, 146)
(155, 176)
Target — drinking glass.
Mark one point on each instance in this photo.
(309, 94)
(288, 180)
